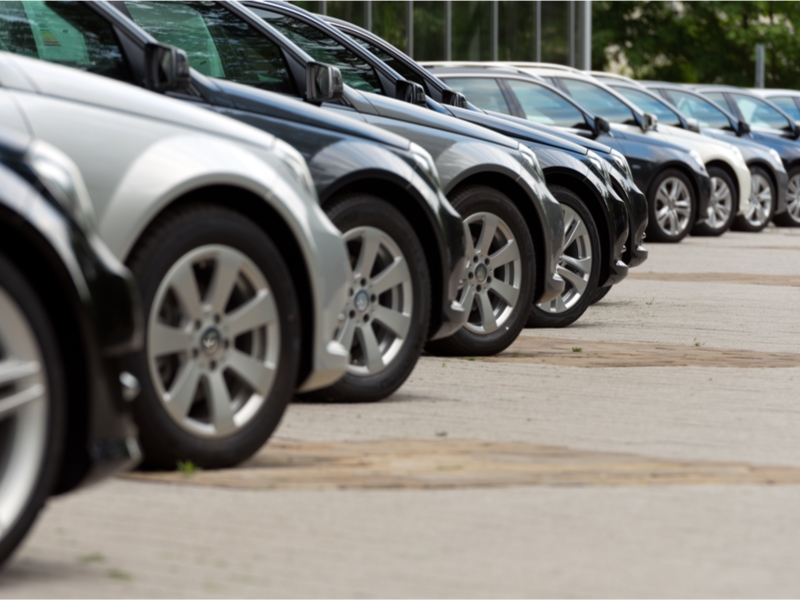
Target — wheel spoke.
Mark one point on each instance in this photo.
(225, 273)
(573, 232)
(370, 244)
(184, 284)
(508, 293)
(258, 312)
(673, 221)
(392, 276)
(346, 336)
(505, 255)
(582, 265)
(165, 340)
(576, 280)
(11, 404)
(180, 398)
(487, 233)
(255, 373)
(12, 371)
(468, 298)
(220, 403)
(369, 344)
(395, 321)
(488, 319)
(470, 243)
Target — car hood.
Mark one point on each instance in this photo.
(289, 108)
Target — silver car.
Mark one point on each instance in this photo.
(243, 277)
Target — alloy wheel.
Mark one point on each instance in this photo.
(574, 265)
(213, 341)
(793, 198)
(23, 412)
(720, 204)
(494, 273)
(377, 317)
(673, 206)
(760, 211)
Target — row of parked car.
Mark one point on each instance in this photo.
(208, 208)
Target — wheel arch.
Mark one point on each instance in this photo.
(720, 164)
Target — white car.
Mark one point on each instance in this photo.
(243, 277)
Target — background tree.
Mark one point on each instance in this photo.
(706, 42)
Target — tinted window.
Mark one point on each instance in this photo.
(648, 104)
(68, 33)
(405, 71)
(481, 91)
(598, 101)
(545, 106)
(355, 72)
(717, 97)
(787, 105)
(758, 113)
(219, 43)
(707, 114)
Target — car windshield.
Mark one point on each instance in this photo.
(321, 47)
(758, 113)
(66, 33)
(218, 43)
(545, 106)
(483, 92)
(398, 65)
(705, 112)
(599, 101)
(648, 104)
(787, 105)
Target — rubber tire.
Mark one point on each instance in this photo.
(741, 224)
(599, 294)
(480, 198)
(357, 210)
(702, 229)
(785, 219)
(163, 441)
(26, 298)
(654, 233)
(539, 318)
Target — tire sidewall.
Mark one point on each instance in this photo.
(703, 228)
(785, 219)
(164, 441)
(654, 232)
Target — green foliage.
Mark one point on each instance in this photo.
(705, 42)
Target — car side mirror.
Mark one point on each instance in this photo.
(649, 121)
(744, 128)
(451, 98)
(796, 129)
(601, 126)
(324, 83)
(408, 91)
(166, 68)
(693, 125)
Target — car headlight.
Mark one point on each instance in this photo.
(425, 162)
(63, 180)
(600, 166)
(297, 166)
(622, 163)
(529, 159)
(698, 162)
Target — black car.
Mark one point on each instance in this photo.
(69, 314)
(597, 219)
(767, 172)
(496, 185)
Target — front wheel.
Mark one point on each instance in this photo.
(498, 289)
(32, 407)
(579, 265)
(385, 322)
(222, 345)
(722, 205)
(791, 218)
(671, 206)
(762, 203)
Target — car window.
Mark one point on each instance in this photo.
(598, 101)
(398, 65)
(545, 106)
(67, 33)
(787, 105)
(321, 47)
(758, 113)
(666, 116)
(707, 114)
(219, 43)
(481, 91)
(717, 97)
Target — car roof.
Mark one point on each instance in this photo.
(766, 93)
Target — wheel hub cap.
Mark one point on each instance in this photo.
(210, 342)
(480, 273)
(361, 301)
